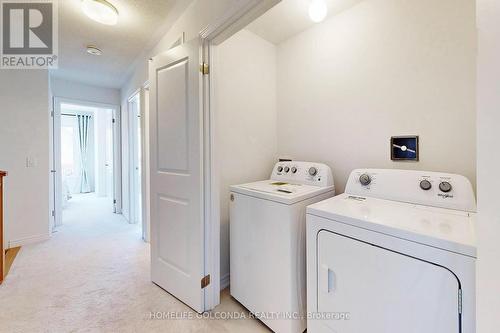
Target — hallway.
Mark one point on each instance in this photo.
(93, 276)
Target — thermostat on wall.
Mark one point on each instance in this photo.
(404, 148)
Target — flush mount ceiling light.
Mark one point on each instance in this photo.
(94, 50)
(318, 10)
(100, 11)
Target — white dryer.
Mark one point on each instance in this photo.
(395, 253)
(267, 242)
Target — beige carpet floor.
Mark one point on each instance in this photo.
(93, 276)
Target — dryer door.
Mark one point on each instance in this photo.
(383, 291)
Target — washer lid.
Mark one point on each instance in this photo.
(278, 191)
(447, 229)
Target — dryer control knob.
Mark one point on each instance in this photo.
(425, 185)
(313, 171)
(287, 169)
(445, 187)
(365, 179)
(280, 168)
(294, 170)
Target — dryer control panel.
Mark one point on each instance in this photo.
(435, 189)
(308, 173)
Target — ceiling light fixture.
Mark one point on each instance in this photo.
(94, 50)
(318, 10)
(100, 11)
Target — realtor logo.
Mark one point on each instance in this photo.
(29, 33)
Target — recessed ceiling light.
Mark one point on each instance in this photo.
(94, 50)
(100, 11)
(318, 10)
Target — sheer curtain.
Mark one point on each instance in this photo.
(83, 140)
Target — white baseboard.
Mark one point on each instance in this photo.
(224, 281)
(28, 240)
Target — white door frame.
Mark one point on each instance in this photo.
(56, 152)
(131, 154)
(234, 19)
(141, 94)
(146, 224)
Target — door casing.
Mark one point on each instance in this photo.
(136, 97)
(235, 18)
(55, 153)
(144, 98)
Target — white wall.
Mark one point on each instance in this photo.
(488, 166)
(381, 68)
(245, 119)
(24, 132)
(84, 92)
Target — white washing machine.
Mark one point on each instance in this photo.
(267, 236)
(395, 253)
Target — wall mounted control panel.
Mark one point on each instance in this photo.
(308, 173)
(420, 187)
(404, 148)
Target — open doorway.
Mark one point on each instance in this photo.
(85, 160)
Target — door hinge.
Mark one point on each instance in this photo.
(114, 201)
(114, 121)
(460, 301)
(205, 281)
(53, 213)
(204, 68)
(52, 114)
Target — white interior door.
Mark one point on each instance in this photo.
(135, 160)
(383, 291)
(176, 155)
(117, 161)
(109, 155)
(137, 167)
(52, 178)
(57, 167)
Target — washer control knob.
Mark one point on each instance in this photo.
(425, 185)
(313, 171)
(445, 187)
(365, 179)
(280, 168)
(294, 170)
(287, 169)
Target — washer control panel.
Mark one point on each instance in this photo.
(420, 187)
(309, 173)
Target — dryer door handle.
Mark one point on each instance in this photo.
(327, 279)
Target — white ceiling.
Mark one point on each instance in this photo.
(290, 17)
(140, 24)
